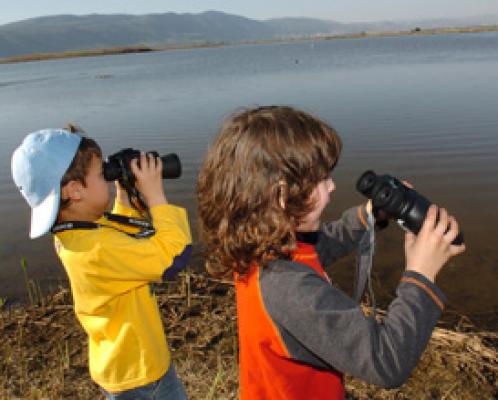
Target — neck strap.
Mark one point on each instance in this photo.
(145, 226)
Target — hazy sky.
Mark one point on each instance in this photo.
(339, 10)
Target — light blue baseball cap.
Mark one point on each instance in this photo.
(38, 166)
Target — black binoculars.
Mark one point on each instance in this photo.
(397, 200)
(117, 166)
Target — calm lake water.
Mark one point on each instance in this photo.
(424, 108)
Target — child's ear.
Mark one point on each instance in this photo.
(72, 191)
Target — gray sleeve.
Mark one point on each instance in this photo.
(323, 327)
(339, 238)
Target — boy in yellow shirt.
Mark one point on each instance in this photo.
(110, 269)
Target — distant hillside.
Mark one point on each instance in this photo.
(298, 27)
(68, 32)
(288, 27)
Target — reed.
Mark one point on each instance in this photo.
(33, 288)
(44, 351)
(27, 282)
(217, 380)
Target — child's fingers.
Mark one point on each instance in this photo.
(408, 184)
(430, 220)
(442, 223)
(159, 165)
(410, 239)
(151, 161)
(451, 235)
(155, 164)
(452, 230)
(134, 166)
(144, 161)
(455, 250)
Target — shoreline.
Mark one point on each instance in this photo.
(146, 49)
(482, 316)
(44, 352)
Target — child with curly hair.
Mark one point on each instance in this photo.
(261, 191)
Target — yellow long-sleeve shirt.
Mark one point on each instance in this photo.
(110, 273)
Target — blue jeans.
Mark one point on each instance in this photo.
(168, 387)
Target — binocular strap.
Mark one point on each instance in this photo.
(146, 229)
(364, 260)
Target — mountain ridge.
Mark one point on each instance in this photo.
(59, 33)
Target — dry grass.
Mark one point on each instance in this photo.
(77, 53)
(100, 52)
(457, 365)
(43, 353)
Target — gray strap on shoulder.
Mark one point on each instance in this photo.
(364, 260)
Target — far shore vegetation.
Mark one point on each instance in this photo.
(145, 48)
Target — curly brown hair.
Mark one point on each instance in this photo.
(255, 185)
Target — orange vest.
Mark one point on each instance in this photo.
(267, 370)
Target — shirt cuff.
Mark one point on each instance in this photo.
(427, 286)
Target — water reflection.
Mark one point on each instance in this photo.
(422, 108)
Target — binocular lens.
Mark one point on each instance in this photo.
(172, 167)
(366, 183)
(389, 199)
(383, 197)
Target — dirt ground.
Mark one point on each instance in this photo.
(44, 351)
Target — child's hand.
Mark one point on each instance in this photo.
(427, 252)
(149, 179)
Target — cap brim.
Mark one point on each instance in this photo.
(44, 215)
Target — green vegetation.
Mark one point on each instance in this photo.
(33, 288)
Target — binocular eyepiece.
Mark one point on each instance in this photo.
(397, 200)
(117, 166)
